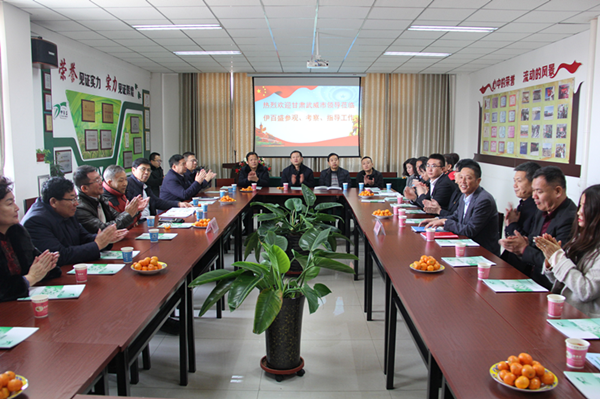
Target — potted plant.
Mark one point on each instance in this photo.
(41, 155)
(291, 221)
(45, 155)
(281, 299)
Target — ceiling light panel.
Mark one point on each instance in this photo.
(466, 29)
(416, 54)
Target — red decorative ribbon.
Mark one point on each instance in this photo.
(572, 68)
(484, 88)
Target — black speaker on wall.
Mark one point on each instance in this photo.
(44, 54)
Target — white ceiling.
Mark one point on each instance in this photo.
(354, 34)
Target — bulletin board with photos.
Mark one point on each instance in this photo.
(532, 123)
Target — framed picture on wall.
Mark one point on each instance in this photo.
(105, 139)
(147, 119)
(135, 124)
(147, 140)
(88, 111)
(47, 81)
(127, 159)
(48, 122)
(47, 102)
(107, 113)
(63, 159)
(91, 140)
(137, 145)
(147, 100)
(41, 180)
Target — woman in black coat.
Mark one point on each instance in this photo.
(21, 264)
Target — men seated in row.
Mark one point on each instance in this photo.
(177, 186)
(297, 173)
(253, 172)
(157, 175)
(191, 165)
(52, 225)
(440, 188)
(477, 215)
(334, 175)
(94, 211)
(522, 217)
(555, 216)
(369, 175)
(136, 185)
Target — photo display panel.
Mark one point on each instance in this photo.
(532, 123)
(315, 115)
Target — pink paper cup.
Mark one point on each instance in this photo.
(576, 351)
(459, 249)
(286, 186)
(395, 210)
(399, 199)
(556, 304)
(402, 221)
(253, 186)
(483, 270)
(402, 212)
(80, 272)
(430, 233)
(40, 306)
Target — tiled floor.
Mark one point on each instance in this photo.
(343, 354)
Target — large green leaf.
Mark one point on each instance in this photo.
(274, 208)
(309, 195)
(333, 255)
(311, 273)
(333, 265)
(262, 217)
(256, 268)
(279, 259)
(217, 293)
(308, 239)
(268, 306)
(214, 275)
(321, 238)
(321, 290)
(241, 287)
(311, 297)
(302, 259)
(294, 204)
(250, 244)
(327, 205)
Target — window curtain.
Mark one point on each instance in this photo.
(403, 116)
(206, 118)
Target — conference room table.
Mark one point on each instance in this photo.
(120, 313)
(460, 326)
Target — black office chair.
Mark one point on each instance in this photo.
(500, 224)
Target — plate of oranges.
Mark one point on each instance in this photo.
(201, 224)
(226, 200)
(149, 266)
(382, 214)
(524, 374)
(12, 385)
(366, 193)
(246, 190)
(427, 264)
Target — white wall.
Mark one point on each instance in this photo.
(170, 126)
(18, 103)
(498, 179)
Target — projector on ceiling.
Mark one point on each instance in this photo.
(317, 64)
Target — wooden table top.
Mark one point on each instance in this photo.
(56, 369)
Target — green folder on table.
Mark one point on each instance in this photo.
(13, 336)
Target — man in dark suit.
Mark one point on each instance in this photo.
(297, 173)
(477, 215)
(175, 186)
(521, 218)
(554, 216)
(441, 187)
(136, 185)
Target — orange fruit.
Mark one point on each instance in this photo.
(548, 378)
(513, 359)
(539, 369)
(516, 369)
(522, 382)
(525, 358)
(535, 383)
(151, 267)
(15, 385)
(4, 393)
(11, 375)
(503, 366)
(430, 268)
(502, 374)
(4, 380)
(144, 269)
(509, 379)
(137, 266)
(528, 371)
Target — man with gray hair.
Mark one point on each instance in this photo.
(94, 211)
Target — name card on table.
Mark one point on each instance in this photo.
(56, 291)
(587, 383)
(99, 268)
(378, 228)
(115, 255)
(467, 261)
(514, 285)
(12, 336)
(577, 328)
(212, 226)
